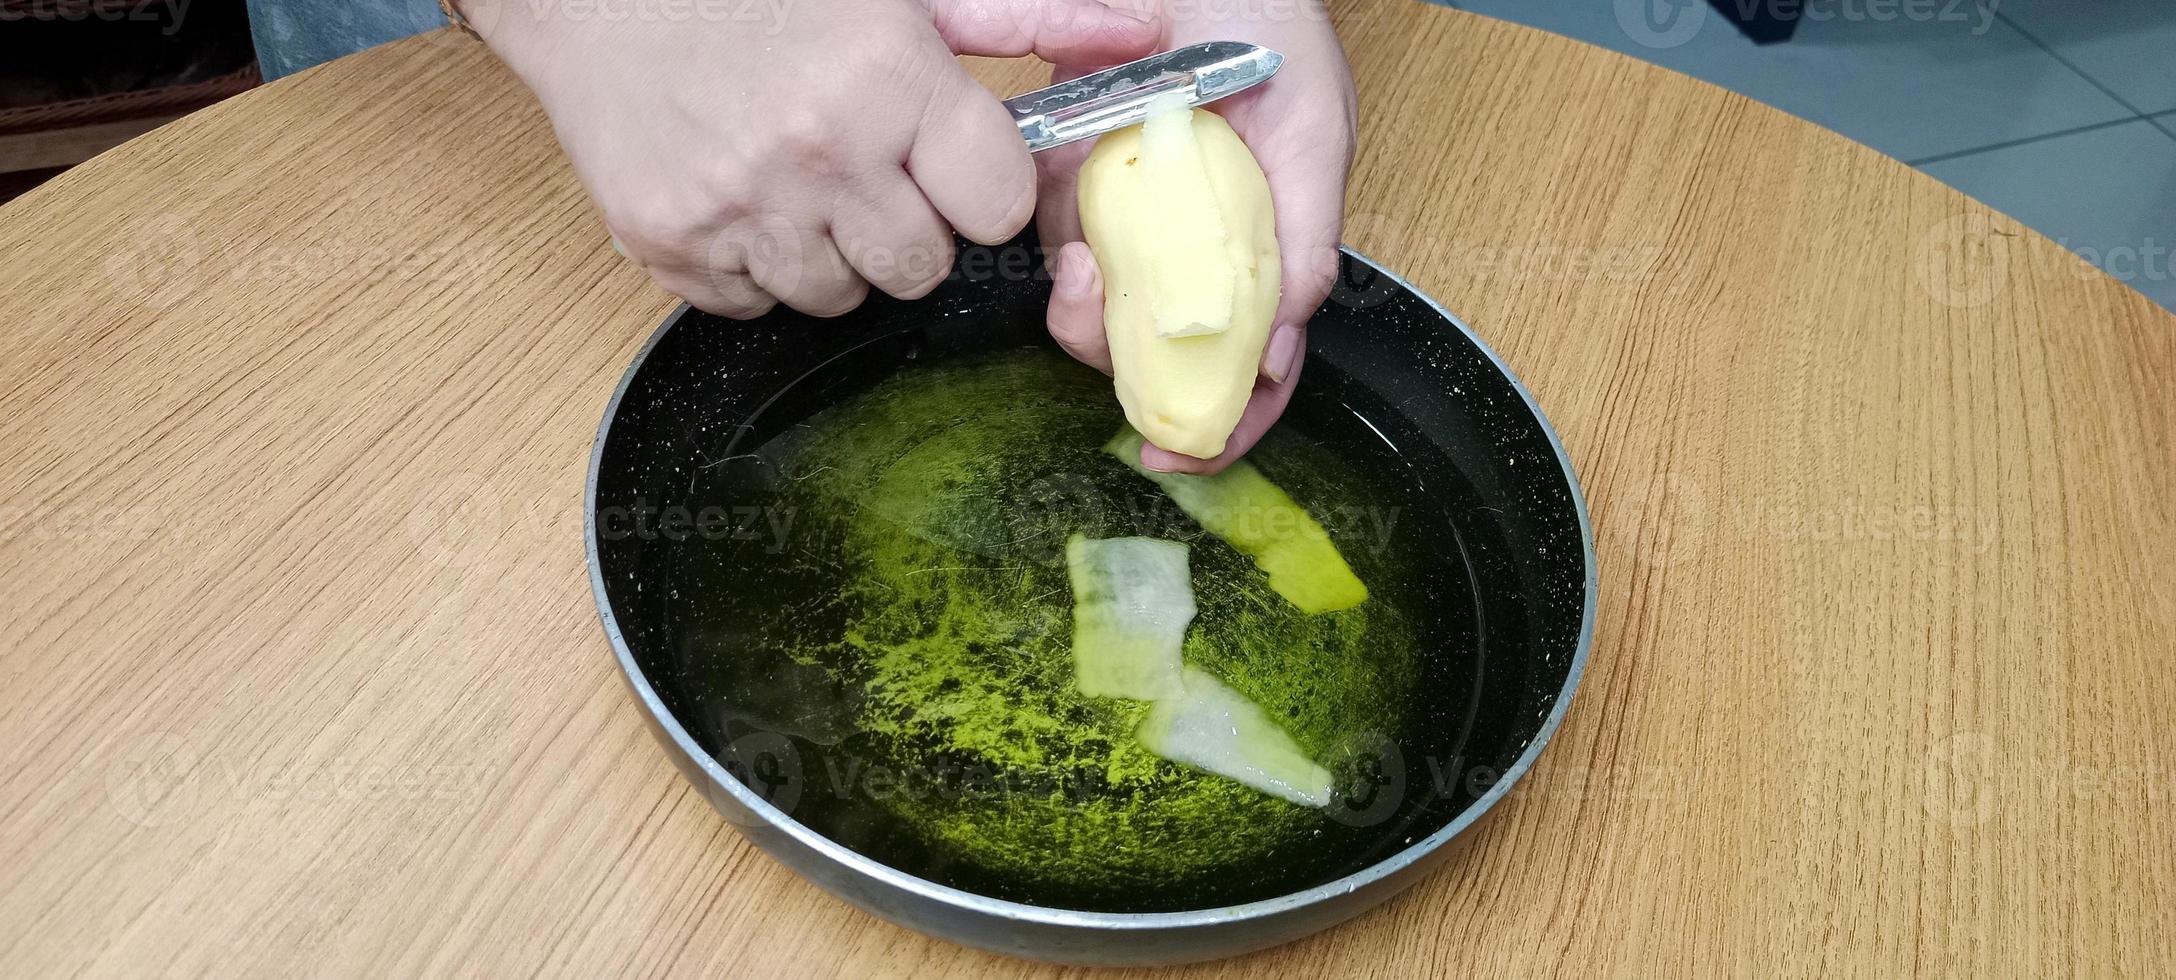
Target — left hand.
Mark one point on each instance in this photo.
(1300, 126)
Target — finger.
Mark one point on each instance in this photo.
(1281, 356)
(1057, 193)
(1057, 182)
(1076, 307)
(1057, 31)
(1309, 199)
(730, 294)
(798, 264)
(894, 239)
(1263, 408)
(970, 163)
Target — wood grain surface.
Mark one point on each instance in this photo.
(300, 675)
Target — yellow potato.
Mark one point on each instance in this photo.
(1180, 222)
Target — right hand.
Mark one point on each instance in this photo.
(1300, 127)
(804, 158)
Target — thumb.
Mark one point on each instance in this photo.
(1057, 31)
(1076, 307)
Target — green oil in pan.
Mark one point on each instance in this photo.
(899, 619)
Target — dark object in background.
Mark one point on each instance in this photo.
(293, 35)
(80, 76)
(1762, 21)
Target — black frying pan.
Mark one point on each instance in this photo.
(1511, 594)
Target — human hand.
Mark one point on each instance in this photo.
(806, 159)
(1300, 126)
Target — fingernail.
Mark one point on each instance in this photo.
(1073, 277)
(1282, 354)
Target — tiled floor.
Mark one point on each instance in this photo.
(2061, 113)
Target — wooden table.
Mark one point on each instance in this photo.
(300, 672)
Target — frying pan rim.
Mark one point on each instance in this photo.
(967, 901)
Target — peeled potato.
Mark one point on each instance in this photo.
(1132, 601)
(1180, 222)
(1261, 521)
(1211, 727)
